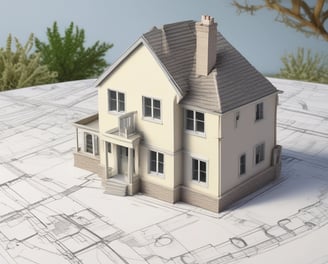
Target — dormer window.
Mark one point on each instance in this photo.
(116, 101)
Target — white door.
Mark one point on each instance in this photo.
(123, 160)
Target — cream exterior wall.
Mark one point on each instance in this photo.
(220, 147)
(243, 139)
(178, 143)
(203, 147)
(137, 76)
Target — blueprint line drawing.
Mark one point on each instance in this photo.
(53, 212)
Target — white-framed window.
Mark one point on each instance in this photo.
(259, 153)
(242, 164)
(199, 170)
(259, 111)
(156, 162)
(91, 143)
(151, 108)
(116, 101)
(195, 121)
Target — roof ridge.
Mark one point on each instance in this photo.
(177, 23)
(233, 81)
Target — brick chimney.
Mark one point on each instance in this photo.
(205, 45)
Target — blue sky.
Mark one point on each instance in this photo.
(259, 38)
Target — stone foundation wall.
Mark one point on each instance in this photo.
(86, 162)
(211, 203)
(251, 185)
(134, 187)
(185, 194)
(159, 192)
(193, 197)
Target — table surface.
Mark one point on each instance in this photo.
(52, 212)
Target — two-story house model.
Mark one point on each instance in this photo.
(182, 116)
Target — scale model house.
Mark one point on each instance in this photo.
(182, 117)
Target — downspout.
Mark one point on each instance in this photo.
(275, 119)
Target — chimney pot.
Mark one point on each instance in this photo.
(207, 20)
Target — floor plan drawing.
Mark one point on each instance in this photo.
(53, 212)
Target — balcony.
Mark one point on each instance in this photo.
(125, 134)
(127, 124)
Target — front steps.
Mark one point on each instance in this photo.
(115, 187)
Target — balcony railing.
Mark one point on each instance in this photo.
(127, 124)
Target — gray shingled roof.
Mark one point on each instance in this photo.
(232, 83)
(174, 45)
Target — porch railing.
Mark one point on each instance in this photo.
(127, 124)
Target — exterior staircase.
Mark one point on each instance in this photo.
(115, 187)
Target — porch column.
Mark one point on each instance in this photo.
(115, 158)
(130, 165)
(136, 159)
(106, 159)
(77, 139)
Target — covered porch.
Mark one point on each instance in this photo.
(122, 152)
(113, 154)
(87, 155)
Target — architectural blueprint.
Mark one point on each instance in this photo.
(52, 212)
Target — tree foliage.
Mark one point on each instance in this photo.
(305, 66)
(307, 16)
(68, 56)
(21, 68)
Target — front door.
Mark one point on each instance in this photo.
(123, 160)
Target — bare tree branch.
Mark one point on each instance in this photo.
(300, 14)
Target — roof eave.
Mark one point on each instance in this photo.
(112, 67)
(178, 90)
(225, 111)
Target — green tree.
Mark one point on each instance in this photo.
(307, 16)
(67, 55)
(21, 68)
(305, 66)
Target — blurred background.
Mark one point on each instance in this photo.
(261, 39)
